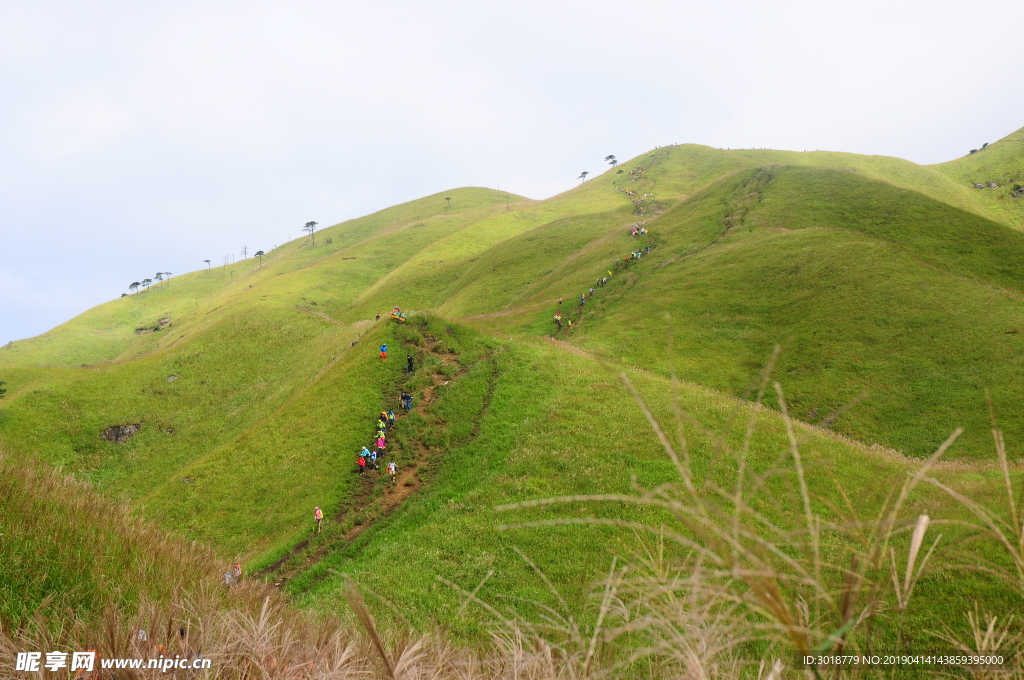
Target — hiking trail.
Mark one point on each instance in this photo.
(362, 506)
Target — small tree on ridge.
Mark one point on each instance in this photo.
(310, 227)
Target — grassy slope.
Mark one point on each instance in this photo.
(66, 547)
(863, 281)
(1001, 163)
(556, 423)
(273, 397)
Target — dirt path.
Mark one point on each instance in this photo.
(362, 504)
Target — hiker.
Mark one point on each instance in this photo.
(408, 363)
(228, 578)
(382, 442)
(361, 461)
(406, 401)
(318, 517)
(391, 418)
(377, 318)
(583, 299)
(558, 320)
(560, 300)
(383, 352)
(237, 569)
(591, 290)
(392, 470)
(648, 249)
(373, 459)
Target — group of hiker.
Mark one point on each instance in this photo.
(583, 301)
(368, 458)
(638, 229)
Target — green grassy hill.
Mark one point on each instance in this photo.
(999, 163)
(888, 284)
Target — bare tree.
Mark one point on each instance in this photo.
(245, 250)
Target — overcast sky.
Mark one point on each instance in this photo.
(137, 137)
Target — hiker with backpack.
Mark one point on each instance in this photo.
(384, 352)
(406, 401)
(361, 462)
(373, 460)
(391, 418)
(392, 470)
(318, 517)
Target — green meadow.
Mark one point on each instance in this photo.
(890, 295)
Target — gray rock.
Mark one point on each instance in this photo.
(979, 186)
(119, 434)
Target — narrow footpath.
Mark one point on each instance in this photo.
(363, 506)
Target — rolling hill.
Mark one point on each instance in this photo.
(893, 289)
